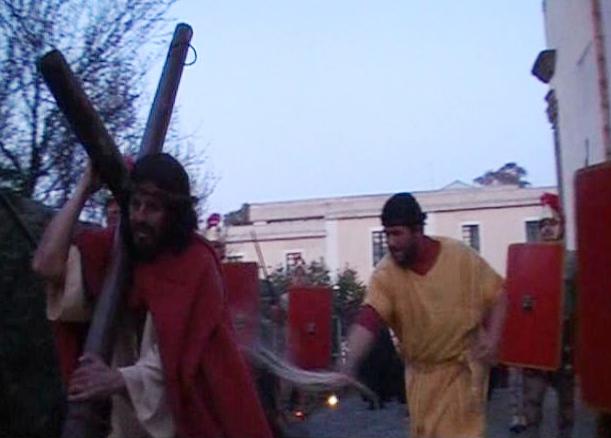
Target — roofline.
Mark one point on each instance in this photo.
(388, 195)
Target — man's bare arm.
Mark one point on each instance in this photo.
(361, 336)
(496, 317)
(359, 340)
(50, 257)
(487, 342)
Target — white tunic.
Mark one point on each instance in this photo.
(145, 411)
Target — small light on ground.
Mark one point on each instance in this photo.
(299, 414)
(332, 401)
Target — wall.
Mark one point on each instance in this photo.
(340, 229)
(570, 32)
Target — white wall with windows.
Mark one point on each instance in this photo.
(379, 245)
(293, 258)
(470, 235)
(531, 229)
(346, 231)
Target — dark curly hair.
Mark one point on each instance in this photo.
(168, 175)
(402, 209)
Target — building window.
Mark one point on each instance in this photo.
(235, 258)
(378, 245)
(292, 259)
(532, 231)
(470, 236)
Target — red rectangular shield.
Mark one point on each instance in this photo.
(532, 334)
(242, 286)
(309, 327)
(593, 210)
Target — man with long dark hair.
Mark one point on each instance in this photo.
(446, 305)
(188, 378)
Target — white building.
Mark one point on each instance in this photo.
(346, 231)
(576, 65)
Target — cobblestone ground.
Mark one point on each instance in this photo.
(352, 419)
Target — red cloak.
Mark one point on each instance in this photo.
(209, 386)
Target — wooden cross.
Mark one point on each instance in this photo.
(83, 420)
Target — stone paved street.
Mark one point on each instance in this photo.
(352, 419)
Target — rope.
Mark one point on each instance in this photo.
(309, 381)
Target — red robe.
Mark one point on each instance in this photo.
(209, 386)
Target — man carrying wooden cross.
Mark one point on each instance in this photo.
(176, 369)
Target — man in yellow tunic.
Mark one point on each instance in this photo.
(446, 306)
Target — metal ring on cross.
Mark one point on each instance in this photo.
(187, 64)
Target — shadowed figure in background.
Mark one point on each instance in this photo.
(382, 370)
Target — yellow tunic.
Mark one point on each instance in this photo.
(436, 317)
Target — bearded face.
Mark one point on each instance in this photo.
(147, 220)
(402, 244)
(550, 229)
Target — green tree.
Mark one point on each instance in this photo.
(348, 296)
(280, 280)
(508, 174)
(316, 274)
(348, 290)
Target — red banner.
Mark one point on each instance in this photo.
(593, 210)
(309, 327)
(533, 329)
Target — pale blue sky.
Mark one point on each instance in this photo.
(313, 98)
